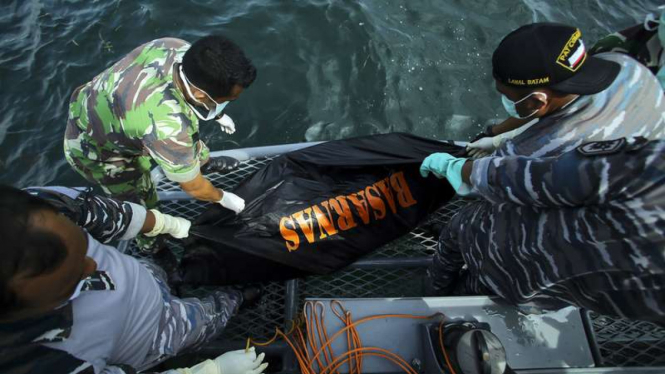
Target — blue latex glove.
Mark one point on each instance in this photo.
(443, 165)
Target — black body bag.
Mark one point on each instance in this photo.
(317, 210)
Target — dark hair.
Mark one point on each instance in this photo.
(215, 64)
(25, 249)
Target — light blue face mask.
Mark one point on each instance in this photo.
(511, 106)
(212, 113)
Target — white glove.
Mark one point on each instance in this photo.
(232, 202)
(226, 124)
(481, 147)
(485, 146)
(166, 224)
(241, 362)
(234, 362)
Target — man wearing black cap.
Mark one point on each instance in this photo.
(584, 228)
(543, 73)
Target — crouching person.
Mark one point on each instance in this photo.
(70, 304)
(586, 228)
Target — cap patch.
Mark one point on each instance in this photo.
(573, 54)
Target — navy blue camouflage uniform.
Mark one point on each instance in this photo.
(33, 345)
(586, 228)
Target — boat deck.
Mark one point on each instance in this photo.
(396, 270)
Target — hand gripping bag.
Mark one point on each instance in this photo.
(317, 210)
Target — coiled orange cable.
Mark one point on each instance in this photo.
(319, 343)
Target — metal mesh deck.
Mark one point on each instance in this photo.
(365, 283)
(624, 342)
(619, 342)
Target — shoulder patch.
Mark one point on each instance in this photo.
(98, 281)
(601, 148)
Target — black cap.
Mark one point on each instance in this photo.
(551, 55)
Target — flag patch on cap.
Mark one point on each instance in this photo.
(573, 54)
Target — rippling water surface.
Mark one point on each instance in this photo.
(327, 69)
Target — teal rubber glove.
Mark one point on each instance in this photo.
(443, 165)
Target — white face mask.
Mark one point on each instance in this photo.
(212, 113)
(511, 106)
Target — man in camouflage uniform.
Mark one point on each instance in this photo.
(586, 228)
(117, 314)
(642, 42)
(146, 107)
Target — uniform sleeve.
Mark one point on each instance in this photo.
(203, 152)
(105, 218)
(640, 42)
(108, 219)
(571, 179)
(172, 145)
(129, 370)
(617, 293)
(124, 369)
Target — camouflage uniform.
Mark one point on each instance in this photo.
(59, 342)
(586, 228)
(130, 114)
(638, 42)
(631, 106)
(106, 219)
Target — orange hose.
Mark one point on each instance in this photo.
(303, 345)
(366, 351)
(328, 353)
(443, 348)
(371, 318)
(301, 360)
(352, 338)
(311, 316)
(320, 343)
(324, 330)
(351, 341)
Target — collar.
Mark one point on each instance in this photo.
(97, 281)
